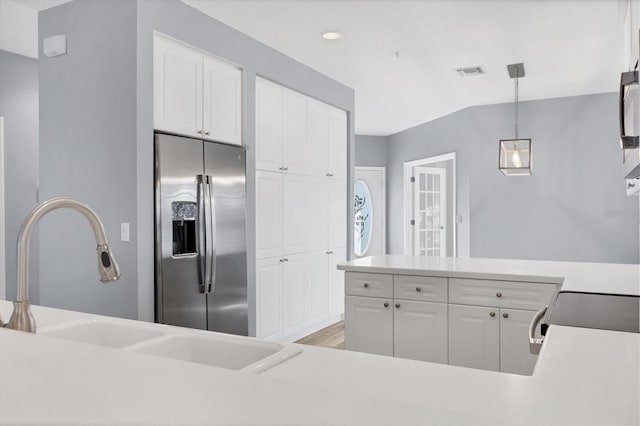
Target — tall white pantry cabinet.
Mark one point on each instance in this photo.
(301, 222)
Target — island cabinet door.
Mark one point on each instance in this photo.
(474, 337)
(420, 331)
(368, 325)
(515, 356)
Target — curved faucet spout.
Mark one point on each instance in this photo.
(107, 267)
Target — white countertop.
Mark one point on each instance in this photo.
(575, 276)
(583, 376)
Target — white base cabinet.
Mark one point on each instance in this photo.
(444, 320)
(368, 325)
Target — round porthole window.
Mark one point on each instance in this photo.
(363, 218)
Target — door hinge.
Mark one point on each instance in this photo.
(413, 222)
(413, 179)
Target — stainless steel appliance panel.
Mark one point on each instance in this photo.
(227, 300)
(180, 298)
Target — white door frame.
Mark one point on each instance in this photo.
(384, 200)
(408, 199)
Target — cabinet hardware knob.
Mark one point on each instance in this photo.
(285, 168)
(505, 315)
(286, 260)
(386, 305)
(492, 314)
(281, 260)
(199, 131)
(280, 168)
(366, 285)
(397, 306)
(329, 174)
(418, 289)
(207, 133)
(498, 294)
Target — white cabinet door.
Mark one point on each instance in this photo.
(294, 134)
(337, 143)
(420, 331)
(337, 213)
(269, 299)
(222, 103)
(296, 292)
(295, 219)
(515, 356)
(268, 214)
(336, 281)
(318, 286)
(474, 337)
(268, 126)
(317, 217)
(368, 325)
(177, 88)
(318, 149)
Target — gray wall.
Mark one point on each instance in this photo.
(97, 108)
(88, 152)
(371, 151)
(19, 107)
(573, 208)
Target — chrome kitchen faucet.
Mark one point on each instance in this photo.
(22, 319)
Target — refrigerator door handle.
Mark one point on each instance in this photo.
(211, 237)
(202, 230)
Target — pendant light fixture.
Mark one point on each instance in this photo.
(515, 154)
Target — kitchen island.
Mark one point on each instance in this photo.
(583, 376)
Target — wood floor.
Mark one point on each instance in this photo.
(330, 337)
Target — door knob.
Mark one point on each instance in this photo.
(492, 314)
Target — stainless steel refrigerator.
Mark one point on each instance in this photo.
(201, 258)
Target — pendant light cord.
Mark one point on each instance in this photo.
(515, 123)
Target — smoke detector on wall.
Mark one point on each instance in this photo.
(470, 71)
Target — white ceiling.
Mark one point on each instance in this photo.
(568, 48)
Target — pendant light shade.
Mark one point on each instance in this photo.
(514, 156)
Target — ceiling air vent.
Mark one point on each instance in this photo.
(469, 71)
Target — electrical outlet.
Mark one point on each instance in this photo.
(124, 232)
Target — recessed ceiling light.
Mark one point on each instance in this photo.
(470, 71)
(331, 35)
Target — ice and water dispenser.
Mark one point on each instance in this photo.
(184, 216)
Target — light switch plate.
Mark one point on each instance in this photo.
(124, 232)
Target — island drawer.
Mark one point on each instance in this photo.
(371, 285)
(501, 294)
(426, 289)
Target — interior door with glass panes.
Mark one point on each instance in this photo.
(429, 211)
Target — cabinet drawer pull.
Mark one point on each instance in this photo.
(492, 314)
(386, 305)
(505, 315)
(286, 260)
(418, 289)
(366, 285)
(397, 306)
(498, 294)
(285, 168)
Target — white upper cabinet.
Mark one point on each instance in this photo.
(318, 138)
(268, 126)
(337, 159)
(195, 94)
(177, 88)
(294, 134)
(222, 103)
